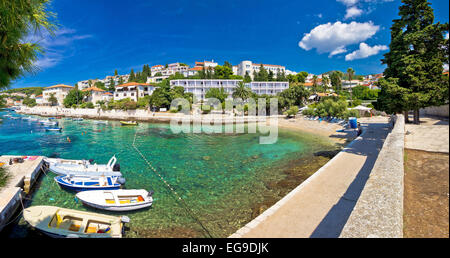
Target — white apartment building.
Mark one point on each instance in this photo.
(200, 87)
(350, 84)
(133, 90)
(171, 69)
(60, 92)
(96, 94)
(250, 67)
(269, 88)
(39, 100)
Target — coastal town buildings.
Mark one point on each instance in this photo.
(60, 91)
(269, 88)
(39, 100)
(95, 94)
(133, 90)
(199, 87)
(249, 67)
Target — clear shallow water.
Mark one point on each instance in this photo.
(224, 180)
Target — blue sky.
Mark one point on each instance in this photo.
(97, 37)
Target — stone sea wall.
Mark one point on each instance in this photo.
(379, 210)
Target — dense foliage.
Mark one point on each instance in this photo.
(19, 18)
(418, 50)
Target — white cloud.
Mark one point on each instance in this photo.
(337, 51)
(353, 12)
(365, 51)
(348, 2)
(334, 37)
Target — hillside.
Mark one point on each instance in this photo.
(28, 90)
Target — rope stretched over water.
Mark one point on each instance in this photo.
(185, 206)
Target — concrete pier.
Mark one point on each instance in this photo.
(22, 176)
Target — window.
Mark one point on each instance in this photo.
(132, 94)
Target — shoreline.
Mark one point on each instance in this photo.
(298, 124)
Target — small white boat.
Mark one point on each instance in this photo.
(117, 200)
(61, 222)
(77, 119)
(33, 119)
(86, 168)
(81, 183)
(57, 129)
(100, 122)
(50, 161)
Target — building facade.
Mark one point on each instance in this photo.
(269, 88)
(199, 87)
(60, 91)
(133, 90)
(250, 67)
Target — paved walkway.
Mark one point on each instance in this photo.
(321, 205)
(431, 135)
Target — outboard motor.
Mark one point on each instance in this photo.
(91, 161)
(121, 180)
(150, 193)
(116, 167)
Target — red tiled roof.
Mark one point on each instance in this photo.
(59, 86)
(157, 66)
(39, 96)
(93, 88)
(308, 84)
(196, 68)
(108, 93)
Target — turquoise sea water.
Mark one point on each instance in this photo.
(220, 177)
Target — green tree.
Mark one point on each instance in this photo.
(415, 61)
(19, 18)
(301, 76)
(222, 72)
(100, 85)
(263, 75)
(112, 85)
(227, 64)
(218, 93)
(241, 91)
(247, 77)
(120, 81)
(74, 97)
(115, 73)
(336, 80)
(52, 99)
(132, 77)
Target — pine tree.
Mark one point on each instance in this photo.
(132, 77)
(115, 73)
(247, 77)
(415, 61)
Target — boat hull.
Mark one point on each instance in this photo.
(78, 188)
(117, 200)
(63, 171)
(72, 222)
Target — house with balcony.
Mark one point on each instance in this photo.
(95, 94)
(133, 90)
(60, 91)
(269, 88)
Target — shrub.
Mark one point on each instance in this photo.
(292, 111)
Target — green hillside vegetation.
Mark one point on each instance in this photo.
(28, 91)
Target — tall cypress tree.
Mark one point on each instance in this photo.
(415, 61)
(132, 77)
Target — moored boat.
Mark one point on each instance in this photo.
(117, 200)
(57, 129)
(85, 168)
(81, 183)
(128, 123)
(62, 222)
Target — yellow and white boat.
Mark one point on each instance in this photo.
(62, 222)
(128, 122)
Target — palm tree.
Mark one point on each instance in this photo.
(52, 99)
(241, 91)
(350, 73)
(314, 81)
(325, 82)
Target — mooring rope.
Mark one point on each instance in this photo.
(184, 204)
